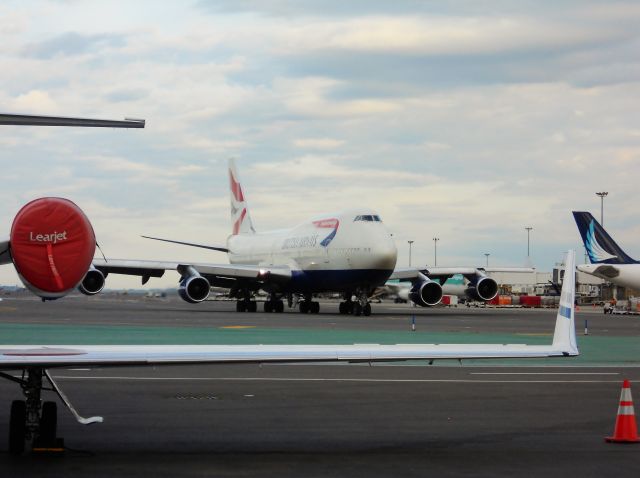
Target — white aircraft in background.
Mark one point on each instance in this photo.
(608, 260)
(35, 421)
(350, 252)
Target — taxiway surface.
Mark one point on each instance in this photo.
(538, 418)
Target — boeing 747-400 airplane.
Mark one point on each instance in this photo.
(350, 252)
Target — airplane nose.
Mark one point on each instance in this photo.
(385, 254)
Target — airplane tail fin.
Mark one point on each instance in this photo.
(600, 246)
(240, 217)
(564, 337)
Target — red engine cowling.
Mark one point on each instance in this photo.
(52, 246)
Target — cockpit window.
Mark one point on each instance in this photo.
(367, 218)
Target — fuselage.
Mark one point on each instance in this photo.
(332, 252)
(626, 275)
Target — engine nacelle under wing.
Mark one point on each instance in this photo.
(93, 282)
(425, 292)
(193, 287)
(482, 287)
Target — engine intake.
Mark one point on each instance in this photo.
(93, 282)
(425, 292)
(52, 246)
(193, 287)
(482, 288)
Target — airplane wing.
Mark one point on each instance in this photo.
(220, 275)
(411, 273)
(38, 120)
(564, 344)
(5, 257)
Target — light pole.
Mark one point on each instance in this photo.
(528, 228)
(410, 242)
(487, 256)
(435, 251)
(602, 195)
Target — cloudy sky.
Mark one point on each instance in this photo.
(465, 120)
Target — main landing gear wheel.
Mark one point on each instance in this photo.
(274, 306)
(309, 307)
(17, 427)
(357, 309)
(279, 306)
(48, 423)
(366, 310)
(345, 308)
(246, 306)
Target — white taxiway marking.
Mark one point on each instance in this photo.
(544, 373)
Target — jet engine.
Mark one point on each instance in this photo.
(193, 287)
(52, 245)
(93, 282)
(481, 287)
(425, 292)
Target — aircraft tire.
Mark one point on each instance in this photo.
(342, 308)
(252, 306)
(357, 309)
(314, 307)
(279, 306)
(366, 310)
(49, 422)
(268, 306)
(17, 427)
(240, 306)
(304, 307)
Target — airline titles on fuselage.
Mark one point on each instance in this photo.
(300, 242)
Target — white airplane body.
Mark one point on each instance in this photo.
(317, 256)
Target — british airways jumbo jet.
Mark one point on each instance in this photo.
(349, 252)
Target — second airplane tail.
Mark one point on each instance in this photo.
(240, 217)
(600, 246)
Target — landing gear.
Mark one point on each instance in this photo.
(345, 308)
(274, 305)
(309, 306)
(34, 421)
(246, 305)
(361, 306)
(17, 428)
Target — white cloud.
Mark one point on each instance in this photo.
(463, 124)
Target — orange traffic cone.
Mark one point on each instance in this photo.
(626, 429)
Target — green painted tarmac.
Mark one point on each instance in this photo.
(594, 350)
